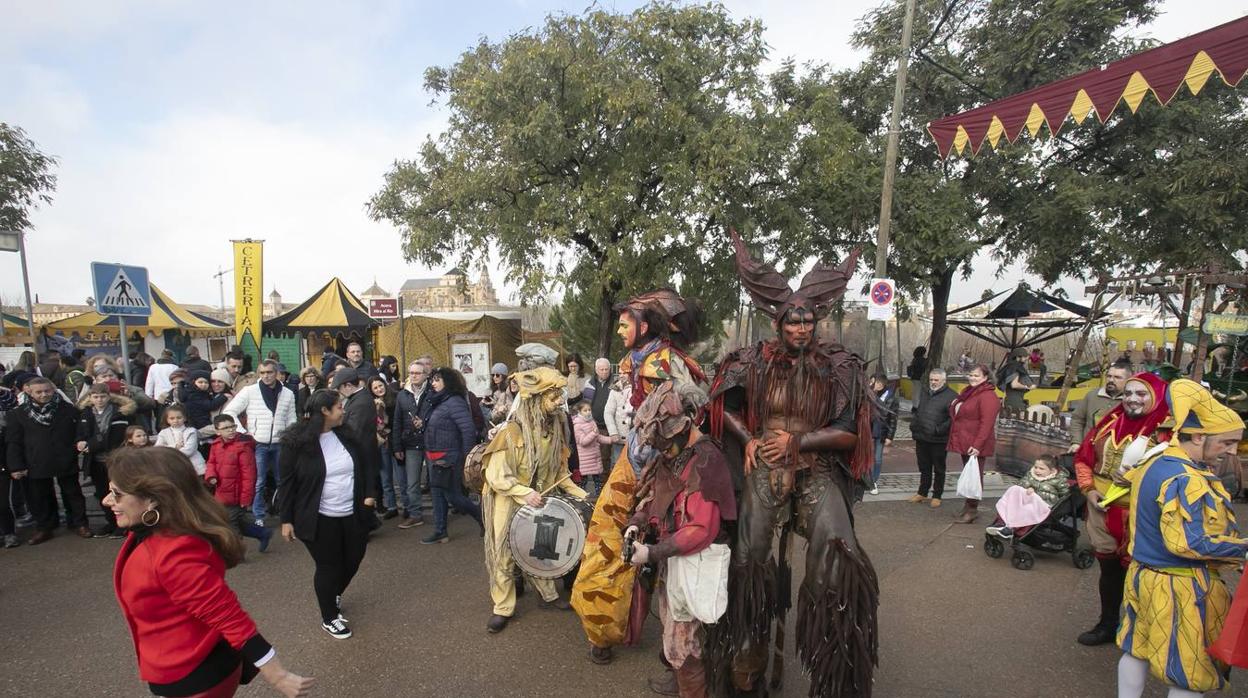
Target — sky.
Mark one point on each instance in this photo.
(182, 125)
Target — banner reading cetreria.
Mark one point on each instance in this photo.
(248, 289)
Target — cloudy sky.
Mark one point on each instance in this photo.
(182, 125)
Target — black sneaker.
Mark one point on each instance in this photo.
(435, 538)
(11, 541)
(337, 628)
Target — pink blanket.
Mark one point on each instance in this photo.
(1018, 507)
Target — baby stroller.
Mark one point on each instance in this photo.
(1059, 533)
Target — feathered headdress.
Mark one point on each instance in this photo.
(770, 291)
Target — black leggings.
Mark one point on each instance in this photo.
(337, 551)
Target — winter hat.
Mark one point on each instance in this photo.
(221, 375)
(177, 373)
(197, 374)
(499, 369)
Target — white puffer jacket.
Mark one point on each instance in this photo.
(618, 413)
(264, 426)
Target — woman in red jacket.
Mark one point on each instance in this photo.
(191, 635)
(973, 415)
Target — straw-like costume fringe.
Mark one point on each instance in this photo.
(837, 635)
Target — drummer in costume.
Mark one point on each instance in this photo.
(1099, 457)
(1183, 532)
(528, 456)
(685, 498)
(656, 328)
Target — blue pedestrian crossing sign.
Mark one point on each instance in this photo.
(121, 290)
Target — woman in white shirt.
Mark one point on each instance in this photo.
(327, 496)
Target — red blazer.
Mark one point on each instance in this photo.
(233, 465)
(973, 415)
(173, 595)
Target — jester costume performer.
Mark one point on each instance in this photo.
(656, 328)
(1183, 533)
(685, 501)
(791, 408)
(1099, 458)
(528, 456)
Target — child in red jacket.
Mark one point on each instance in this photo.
(231, 475)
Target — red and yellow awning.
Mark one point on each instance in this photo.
(1162, 70)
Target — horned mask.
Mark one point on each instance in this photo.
(772, 295)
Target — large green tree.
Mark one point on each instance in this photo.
(26, 178)
(601, 149)
(1164, 186)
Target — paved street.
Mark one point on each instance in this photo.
(953, 622)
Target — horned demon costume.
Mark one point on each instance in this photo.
(791, 407)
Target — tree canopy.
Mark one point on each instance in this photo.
(26, 178)
(1154, 187)
(613, 146)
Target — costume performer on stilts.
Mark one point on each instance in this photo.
(1097, 463)
(1183, 532)
(528, 456)
(684, 501)
(656, 328)
(793, 407)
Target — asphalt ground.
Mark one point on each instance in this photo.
(952, 621)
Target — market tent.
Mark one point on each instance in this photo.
(1161, 70)
(167, 314)
(334, 310)
(434, 333)
(1013, 323)
(14, 324)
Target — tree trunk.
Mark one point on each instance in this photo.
(940, 316)
(606, 317)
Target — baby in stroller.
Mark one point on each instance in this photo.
(1029, 503)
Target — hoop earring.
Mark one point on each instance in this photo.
(147, 523)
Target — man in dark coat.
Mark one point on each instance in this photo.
(40, 438)
(193, 361)
(930, 430)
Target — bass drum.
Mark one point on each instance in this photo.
(546, 542)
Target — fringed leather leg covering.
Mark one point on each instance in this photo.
(837, 636)
(752, 605)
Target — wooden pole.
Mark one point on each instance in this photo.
(875, 334)
(1202, 341)
(1188, 291)
(1072, 368)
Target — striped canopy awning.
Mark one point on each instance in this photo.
(332, 309)
(166, 315)
(14, 324)
(1162, 70)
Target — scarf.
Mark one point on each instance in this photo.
(42, 414)
(1122, 428)
(270, 395)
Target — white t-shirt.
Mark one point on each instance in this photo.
(338, 494)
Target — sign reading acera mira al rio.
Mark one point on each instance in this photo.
(383, 308)
(121, 289)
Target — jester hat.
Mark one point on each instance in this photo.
(772, 295)
(1196, 411)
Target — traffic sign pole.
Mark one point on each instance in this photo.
(125, 353)
(30, 312)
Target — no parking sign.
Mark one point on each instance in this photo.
(881, 298)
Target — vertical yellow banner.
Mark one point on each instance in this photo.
(248, 289)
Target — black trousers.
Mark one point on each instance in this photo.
(337, 551)
(6, 510)
(931, 457)
(99, 480)
(42, 501)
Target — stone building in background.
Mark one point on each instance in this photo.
(453, 291)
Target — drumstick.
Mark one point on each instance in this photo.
(546, 491)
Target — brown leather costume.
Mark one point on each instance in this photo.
(816, 393)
